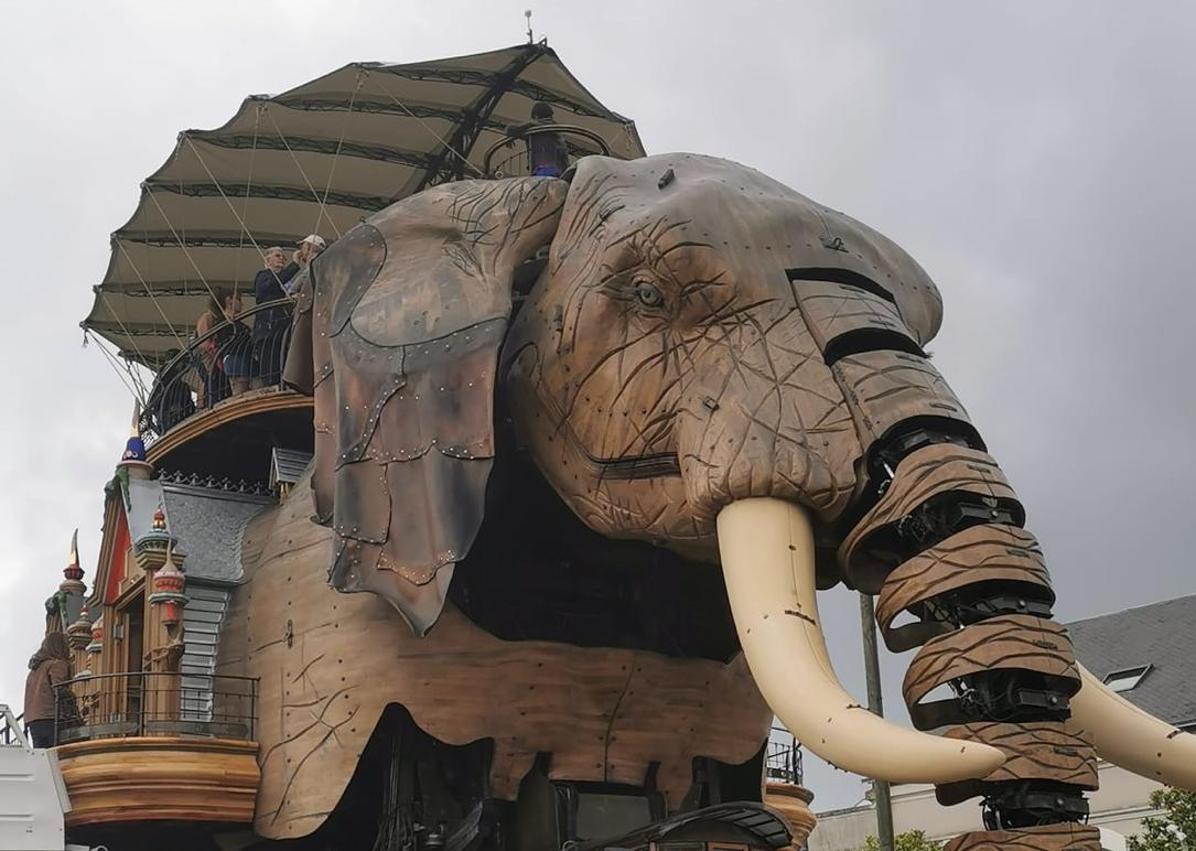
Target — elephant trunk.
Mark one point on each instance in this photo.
(1022, 722)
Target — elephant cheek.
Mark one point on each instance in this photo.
(733, 452)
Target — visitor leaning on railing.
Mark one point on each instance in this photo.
(225, 354)
(49, 669)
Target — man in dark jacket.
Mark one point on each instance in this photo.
(270, 325)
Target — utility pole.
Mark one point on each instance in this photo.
(880, 789)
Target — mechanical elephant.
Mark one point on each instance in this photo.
(679, 362)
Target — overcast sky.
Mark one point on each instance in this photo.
(1035, 157)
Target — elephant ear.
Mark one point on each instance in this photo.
(397, 334)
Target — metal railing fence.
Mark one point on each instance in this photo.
(782, 760)
(147, 703)
(226, 360)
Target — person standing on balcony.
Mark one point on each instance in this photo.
(270, 325)
(309, 249)
(547, 153)
(49, 668)
(225, 355)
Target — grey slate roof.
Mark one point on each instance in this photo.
(1162, 635)
(287, 465)
(207, 522)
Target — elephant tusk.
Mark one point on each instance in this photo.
(767, 549)
(1132, 738)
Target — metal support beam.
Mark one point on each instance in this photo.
(880, 789)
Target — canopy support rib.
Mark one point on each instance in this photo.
(475, 116)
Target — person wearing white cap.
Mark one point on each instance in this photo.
(309, 248)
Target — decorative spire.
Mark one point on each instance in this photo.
(168, 590)
(79, 633)
(73, 573)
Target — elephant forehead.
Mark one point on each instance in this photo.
(745, 224)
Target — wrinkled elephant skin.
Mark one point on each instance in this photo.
(702, 353)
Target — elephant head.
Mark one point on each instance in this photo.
(699, 358)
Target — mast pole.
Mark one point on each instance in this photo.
(880, 789)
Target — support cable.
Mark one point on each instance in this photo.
(302, 172)
(182, 245)
(231, 208)
(149, 291)
(339, 142)
(439, 138)
(257, 121)
(112, 362)
(124, 329)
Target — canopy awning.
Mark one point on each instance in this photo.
(317, 159)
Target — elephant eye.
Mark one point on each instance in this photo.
(648, 294)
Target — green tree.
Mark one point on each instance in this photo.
(911, 840)
(1173, 831)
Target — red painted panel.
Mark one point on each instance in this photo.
(120, 548)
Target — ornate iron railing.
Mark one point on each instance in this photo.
(782, 760)
(146, 703)
(222, 362)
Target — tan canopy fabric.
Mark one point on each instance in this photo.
(318, 159)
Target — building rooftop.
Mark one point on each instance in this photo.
(207, 522)
(1160, 638)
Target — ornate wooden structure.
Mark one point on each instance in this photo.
(159, 778)
(590, 440)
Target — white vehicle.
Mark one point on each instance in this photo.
(33, 798)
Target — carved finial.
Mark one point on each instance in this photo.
(73, 572)
(159, 523)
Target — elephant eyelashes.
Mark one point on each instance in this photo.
(648, 294)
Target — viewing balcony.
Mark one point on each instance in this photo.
(148, 746)
(226, 381)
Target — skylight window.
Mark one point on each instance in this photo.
(1126, 679)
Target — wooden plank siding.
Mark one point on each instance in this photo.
(330, 663)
